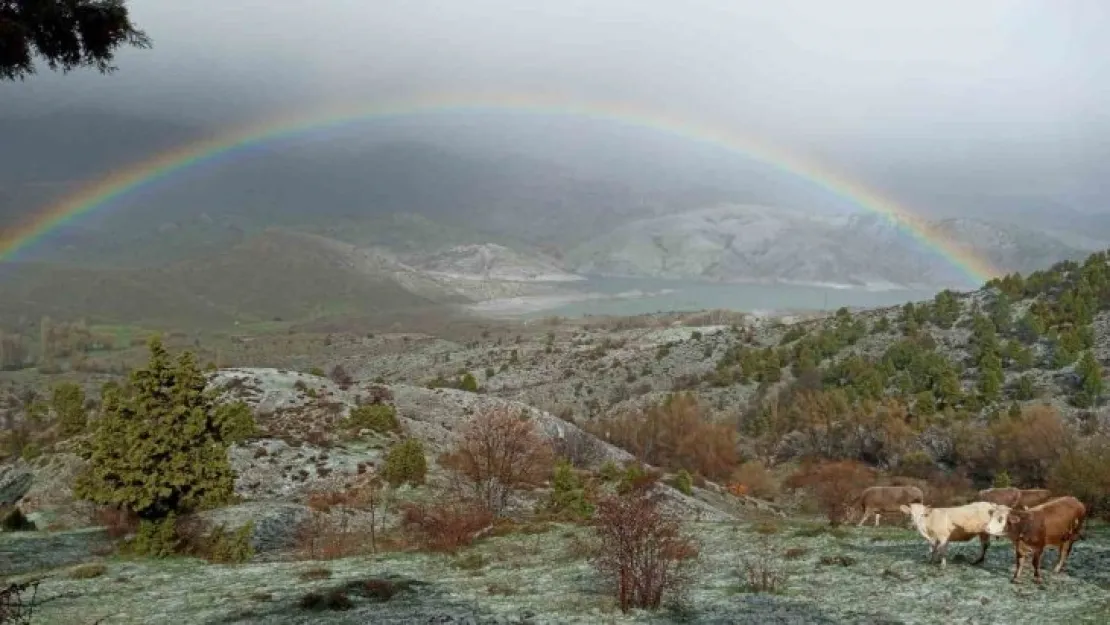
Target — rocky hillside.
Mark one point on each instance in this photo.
(491, 262)
(760, 243)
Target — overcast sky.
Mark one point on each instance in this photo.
(986, 90)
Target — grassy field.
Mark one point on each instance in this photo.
(851, 575)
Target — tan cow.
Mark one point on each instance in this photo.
(1016, 498)
(941, 526)
(1056, 523)
(877, 499)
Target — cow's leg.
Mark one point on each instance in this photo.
(984, 542)
(866, 512)
(877, 515)
(1065, 551)
(1019, 560)
(942, 547)
(1037, 554)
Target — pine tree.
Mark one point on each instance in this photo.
(990, 377)
(160, 446)
(68, 402)
(1090, 381)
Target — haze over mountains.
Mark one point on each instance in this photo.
(401, 223)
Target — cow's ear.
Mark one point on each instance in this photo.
(904, 508)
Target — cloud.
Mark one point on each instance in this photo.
(868, 84)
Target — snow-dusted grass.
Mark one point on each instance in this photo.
(854, 575)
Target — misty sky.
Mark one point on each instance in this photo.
(999, 97)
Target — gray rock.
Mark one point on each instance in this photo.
(275, 523)
(15, 481)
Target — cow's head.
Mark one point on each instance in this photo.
(1002, 518)
(916, 512)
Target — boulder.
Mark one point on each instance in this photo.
(15, 481)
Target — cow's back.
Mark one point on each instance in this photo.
(1032, 497)
(891, 497)
(1055, 521)
(1007, 496)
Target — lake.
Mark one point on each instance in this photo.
(681, 296)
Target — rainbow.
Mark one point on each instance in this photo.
(165, 165)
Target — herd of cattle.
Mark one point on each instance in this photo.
(1032, 519)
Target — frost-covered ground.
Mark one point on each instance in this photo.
(865, 575)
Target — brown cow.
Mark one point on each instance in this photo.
(876, 499)
(1056, 523)
(1016, 498)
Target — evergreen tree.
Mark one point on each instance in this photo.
(68, 402)
(990, 377)
(67, 34)
(1025, 390)
(160, 446)
(1090, 381)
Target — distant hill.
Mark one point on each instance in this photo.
(276, 275)
(769, 243)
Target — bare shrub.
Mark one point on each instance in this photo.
(16, 607)
(762, 573)
(832, 484)
(1026, 447)
(756, 480)
(117, 522)
(948, 489)
(793, 553)
(499, 451)
(641, 551)
(1083, 472)
(446, 526)
(675, 434)
(330, 531)
(340, 376)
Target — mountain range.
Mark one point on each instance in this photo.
(315, 230)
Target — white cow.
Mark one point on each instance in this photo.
(941, 526)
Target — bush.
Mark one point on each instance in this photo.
(756, 479)
(160, 445)
(684, 482)
(468, 383)
(340, 376)
(445, 526)
(405, 463)
(116, 522)
(14, 521)
(379, 418)
(499, 451)
(674, 435)
(328, 532)
(917, 464)
(87, 571)
(16, 608)
(1001, 480)
(1027, 447)
(224, 548)
(568, 495)
(156, 539)
(833, 485)
(609, 472)
(637, 478)
(641, 551)
(68, 402)
(762, 574)
(1083, 472)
